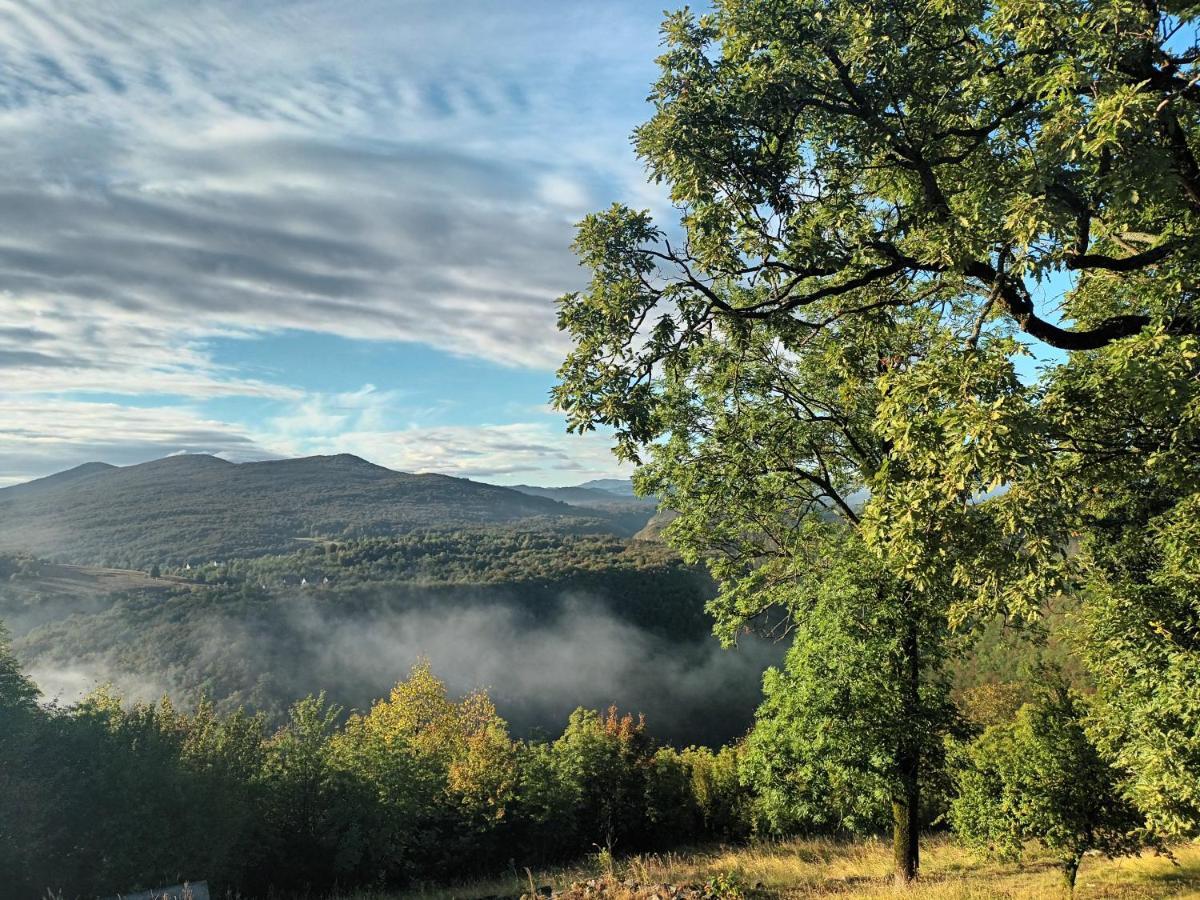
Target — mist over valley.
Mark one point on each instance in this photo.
(541, 596)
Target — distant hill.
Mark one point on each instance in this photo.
(60, 478)
(622, 487)
(580, 495)
(629, 513)
(196, 507)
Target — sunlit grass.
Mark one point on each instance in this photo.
(830, 868)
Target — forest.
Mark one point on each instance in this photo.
(914, 365)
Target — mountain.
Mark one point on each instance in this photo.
(628, 512)
(196, 507)
(581, 495)
(58, 478)
(622, 487)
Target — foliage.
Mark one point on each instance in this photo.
(822, 752)
(764, 449)
(606, 762)
(1040, 778)
(847, 171)
(1140, 634)
(102, 797)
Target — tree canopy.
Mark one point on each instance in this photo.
(885, 210)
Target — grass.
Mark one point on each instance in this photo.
(828, 868)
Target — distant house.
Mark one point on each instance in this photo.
(303, 582)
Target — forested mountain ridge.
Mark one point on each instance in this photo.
(613, 497)
(194, 508)
(582, 495)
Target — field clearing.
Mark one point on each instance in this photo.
(828, 868)
(92, 582)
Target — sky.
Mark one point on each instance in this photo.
(288, 228)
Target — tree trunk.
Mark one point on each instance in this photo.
(906, 808)
(1070, 870)
(905, 829)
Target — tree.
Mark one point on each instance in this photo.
(843, 167)
(762, 450)
(825, 149)
(1140, 638)
(311, 808)
(851, 730)
(1040, 778)
(835, 158)
(443, 774)
(22, 789)
(604, 762)
(18, 694)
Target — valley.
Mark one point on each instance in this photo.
(547, 602)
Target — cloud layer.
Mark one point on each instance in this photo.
(176, 173)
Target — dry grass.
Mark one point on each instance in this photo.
(826, 868)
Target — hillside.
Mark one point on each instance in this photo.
(197, 508)
(582, 495)
(610, 496)
(548, 620)
(832, 868)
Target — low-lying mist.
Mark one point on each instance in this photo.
(537, 665)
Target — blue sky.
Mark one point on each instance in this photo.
(283, 228)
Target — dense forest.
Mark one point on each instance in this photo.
(611, 620)
(418, 786)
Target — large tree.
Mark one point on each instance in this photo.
(765, 453)
(832, 159)
(1007, 174)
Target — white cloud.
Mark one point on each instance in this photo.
(40, 438)
(356, 422)
(375, 171)
(503, 454)
(179, 172)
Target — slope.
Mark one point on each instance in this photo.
(195, 508)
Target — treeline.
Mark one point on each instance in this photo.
(100, 798)
(439, 556)
(258, 632)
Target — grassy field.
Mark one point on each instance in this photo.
(824, 868)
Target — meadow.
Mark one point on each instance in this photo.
(822, 867)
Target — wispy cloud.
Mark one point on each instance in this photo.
(39, 438)
(375, 172)
(358, 422)
(179, 172)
